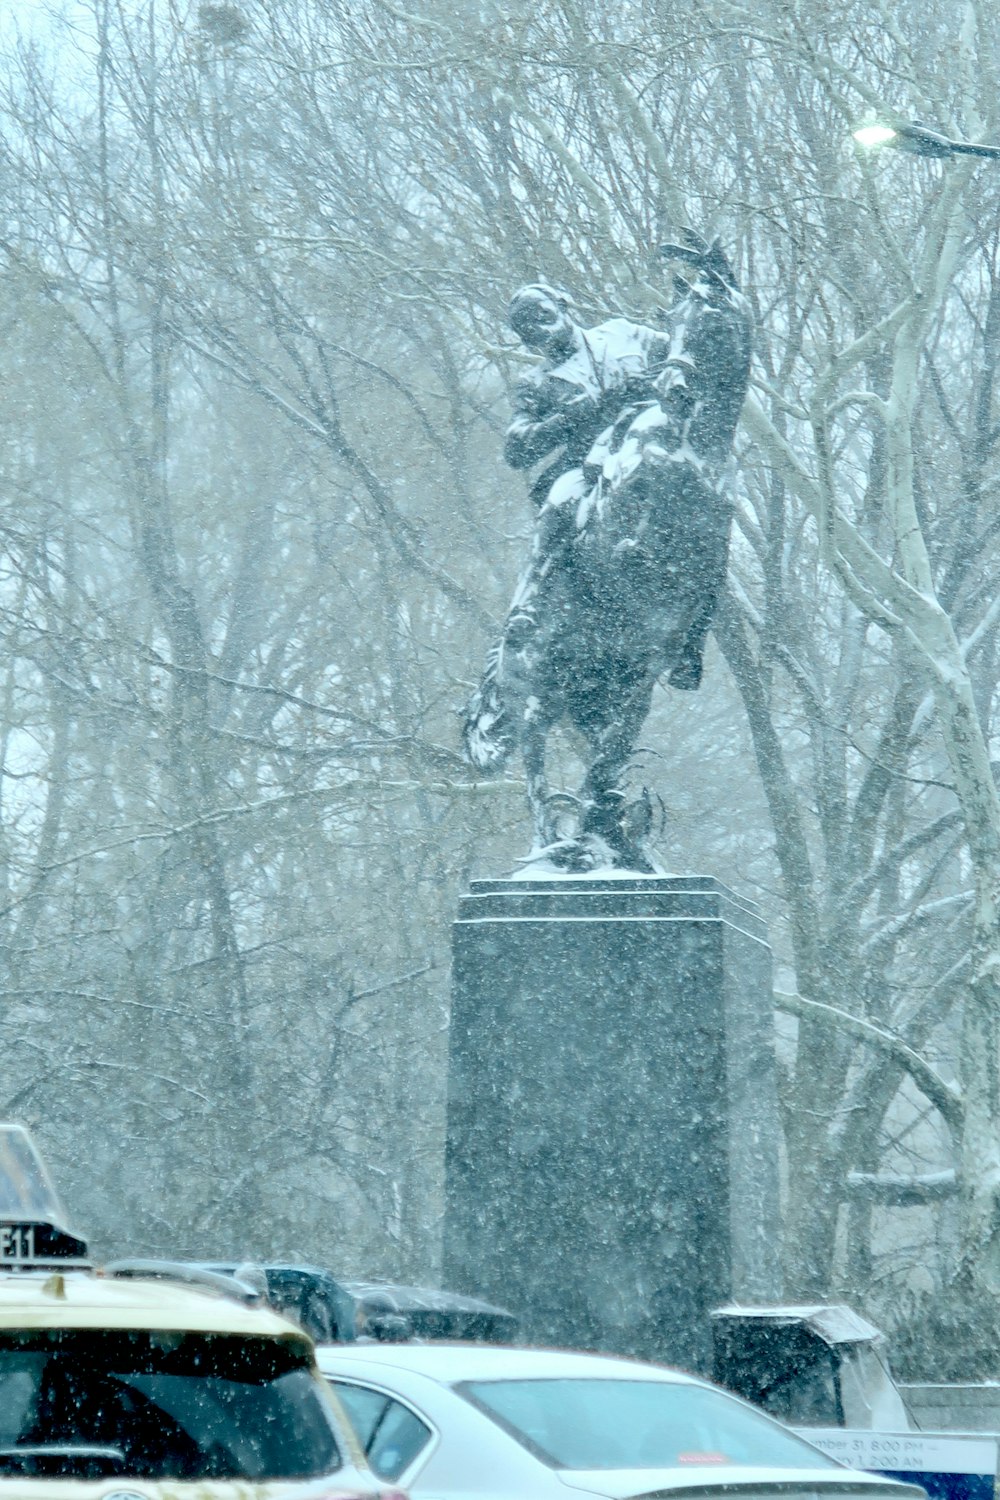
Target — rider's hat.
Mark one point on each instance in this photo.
(535, 289)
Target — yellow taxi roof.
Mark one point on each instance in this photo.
(83, 1299)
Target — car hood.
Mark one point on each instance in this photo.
(754, 1484)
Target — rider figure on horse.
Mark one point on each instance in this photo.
(593, 382)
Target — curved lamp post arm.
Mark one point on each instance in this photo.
(920, 140)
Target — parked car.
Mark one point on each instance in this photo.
(389, 1310)
(464, 1420)
(153, 1389)
(333, 1311)
(308, 1295)
(161, 1386)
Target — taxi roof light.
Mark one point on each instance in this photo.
(26, 1190)
(34, 1231)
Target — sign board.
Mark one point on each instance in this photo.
(26, 1246)
(949, 1465)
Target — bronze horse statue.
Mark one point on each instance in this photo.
(631, 543)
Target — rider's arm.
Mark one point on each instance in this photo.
(550, 415)
(528, 439)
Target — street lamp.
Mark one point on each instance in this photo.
(918, 139)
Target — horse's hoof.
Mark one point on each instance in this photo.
(560, 854)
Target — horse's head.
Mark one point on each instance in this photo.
(711, 331)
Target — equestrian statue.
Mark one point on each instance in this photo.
(635, 426)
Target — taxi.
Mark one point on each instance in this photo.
(128, 1388)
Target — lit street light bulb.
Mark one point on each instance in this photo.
(874, 135)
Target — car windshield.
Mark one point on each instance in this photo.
(152, 1405)
(637, 1424)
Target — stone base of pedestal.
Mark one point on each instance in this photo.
(612, 1144)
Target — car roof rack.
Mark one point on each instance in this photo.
(186, 1275)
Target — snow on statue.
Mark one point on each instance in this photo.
(630, 546)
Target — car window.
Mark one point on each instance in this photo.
(161, 1405)
(637, 1424)
(391, 1434)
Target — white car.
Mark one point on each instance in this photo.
(453, 1422)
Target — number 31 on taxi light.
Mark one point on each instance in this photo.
(17, 1241)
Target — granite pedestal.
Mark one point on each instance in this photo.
(612, 1143)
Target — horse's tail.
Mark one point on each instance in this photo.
(487, 736)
